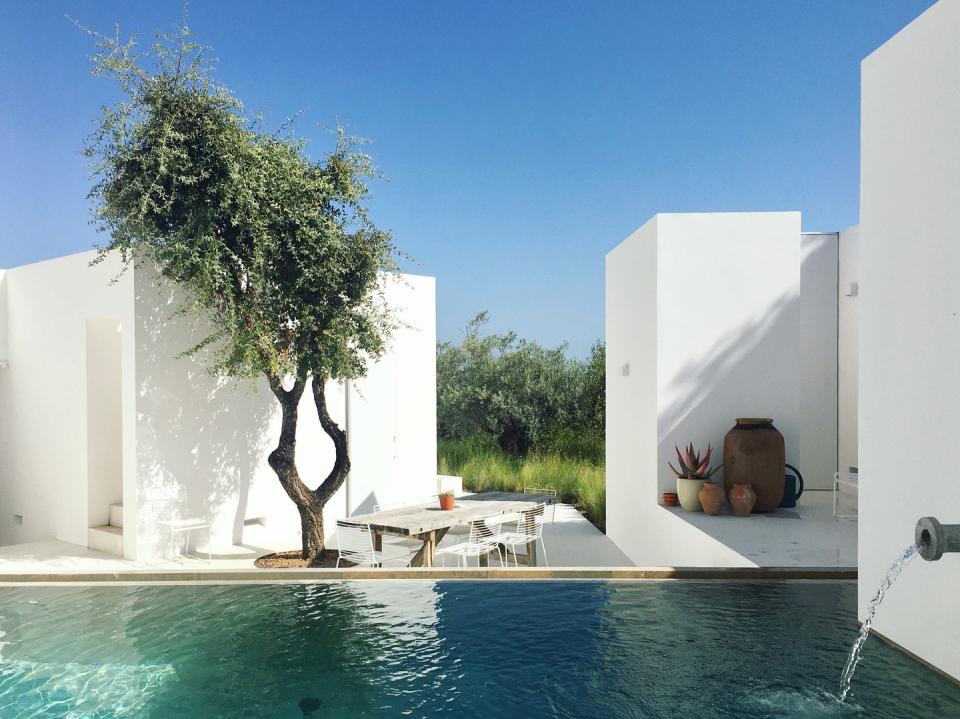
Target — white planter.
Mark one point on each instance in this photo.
(689, 492)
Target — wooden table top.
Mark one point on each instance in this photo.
(421, 518)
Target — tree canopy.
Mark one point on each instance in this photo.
(275, 248)
(278, 249)
(515, 390)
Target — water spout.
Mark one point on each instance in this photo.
(935, 539)
(846, 678)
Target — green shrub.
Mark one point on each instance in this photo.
(574, 444)
(527, 397)
(485, 467)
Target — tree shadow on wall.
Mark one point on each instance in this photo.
(200, 438)
(742, 375)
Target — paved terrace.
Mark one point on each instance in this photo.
(571, 541)
(805, 538)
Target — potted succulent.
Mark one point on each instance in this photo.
(446, 500)
(693, 473)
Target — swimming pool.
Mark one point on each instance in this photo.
(424, 649)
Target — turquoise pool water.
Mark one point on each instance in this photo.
(457, 649)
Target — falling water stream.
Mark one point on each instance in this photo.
(902, 561)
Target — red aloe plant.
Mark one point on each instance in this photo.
(692, 466)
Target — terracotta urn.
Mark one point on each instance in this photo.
(689, 493)
(742, 499)
(712, 497)
(753, 453)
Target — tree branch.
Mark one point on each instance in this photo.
(341, 465)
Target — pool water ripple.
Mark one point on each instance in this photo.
(385, 649)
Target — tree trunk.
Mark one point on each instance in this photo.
(514, 440)
(310, 503)
(341, 464)
(311, 530)
(283, 461)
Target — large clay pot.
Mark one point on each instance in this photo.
(712, 497)
(753, 453)
(689, 492)
(742, 499)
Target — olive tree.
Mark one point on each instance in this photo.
(275, 248)
(499, 385)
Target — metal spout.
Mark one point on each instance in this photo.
(935, 539)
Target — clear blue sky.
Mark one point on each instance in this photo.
(522, 140)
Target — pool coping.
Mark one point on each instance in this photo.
(915, 657)
(271, 576)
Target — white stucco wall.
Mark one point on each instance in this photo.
(631, 401)
(104, 402)
(910, 325)
(816, 344)
(203, 442)
(848, 352)
(3, 318)
(707, 310)
(43, 401)
(76, 390)
(393, 408)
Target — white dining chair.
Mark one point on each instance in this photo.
(545, 492)
(481, 541)
(847, 479)
(355, 545)
(529, 530)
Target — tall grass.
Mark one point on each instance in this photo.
(578, 479)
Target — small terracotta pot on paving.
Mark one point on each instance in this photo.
(742, 499)
(446, 501)
(712, 497)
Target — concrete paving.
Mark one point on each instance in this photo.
(571, 541)
(805, 536)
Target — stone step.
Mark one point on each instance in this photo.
(106, 539)
(116, 515)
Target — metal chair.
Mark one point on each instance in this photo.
(529, 530)
(355, 545)
(848, 479)
(545, 492)
(481, 541)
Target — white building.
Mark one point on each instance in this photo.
(851, 341)
(910, 325)
(97, 409)
(711, 317)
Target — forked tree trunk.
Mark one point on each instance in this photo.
(309, 502)
(311, 530)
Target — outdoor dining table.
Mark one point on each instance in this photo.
(428, 523)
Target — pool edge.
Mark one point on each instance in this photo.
(903, 650)
(220, 576)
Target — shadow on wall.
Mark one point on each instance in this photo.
(756, 369)
(200, 438)
(708, 395)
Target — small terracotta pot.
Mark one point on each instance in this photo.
(446, 501)
(742, 499)
(712, 497)
(670, 499)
